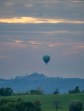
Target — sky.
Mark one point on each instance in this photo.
(30, 29)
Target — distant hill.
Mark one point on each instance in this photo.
(49, 84)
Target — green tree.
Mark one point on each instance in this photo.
(5, 101)
(37, 102)
(75, 105)
(2, 91)
(8, 91)
(40, 90)
(76, 90)
(18, 105)
(56, 104)
(7, 107)
(19, 99)
(32, 92)
(27, 93)
(56, 91)
(26, 106)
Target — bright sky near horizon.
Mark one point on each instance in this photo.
(30, 29)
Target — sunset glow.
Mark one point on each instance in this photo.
(27, 20)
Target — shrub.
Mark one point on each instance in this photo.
(19, 105)
(5, 101)
(37, 102)
(75, 105)
(19, 99)
(7, 107)
(56, 91)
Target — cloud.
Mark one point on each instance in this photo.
(79, 46)
(52, 45)
(78, 1)
(29, 5)
(47, 1)
(69, 52)
(57, 32)
(34, 42)
(9, 3)
(12, 45)
(18, 41)
(27, 20)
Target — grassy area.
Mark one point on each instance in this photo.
(47, 100)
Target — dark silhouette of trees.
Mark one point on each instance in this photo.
(18, 105)
(76, 90)
(19, 99)
(2, 91)
(38, 91)
(21, 93)
(56, 91)
(6, 91)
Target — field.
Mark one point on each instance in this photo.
(47, 100)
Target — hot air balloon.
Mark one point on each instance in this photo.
(46, 58)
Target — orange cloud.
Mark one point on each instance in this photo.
(34, 20)
(34, 42)
(79, 46)
(52, 45)
(11, 45)
(17, 41)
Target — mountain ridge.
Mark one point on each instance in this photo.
(49, 84)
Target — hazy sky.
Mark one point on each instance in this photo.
(30, 29)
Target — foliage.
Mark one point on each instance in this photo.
(56, 91)
(37, 102)
(75, 105)
(18, 105)
(21, 93)
(76, 90)
(38, 91)
(6, 91)
(5, 101)
(19, 99)
(47, 100)
(7, 107)
(56, 104)
(2, 91)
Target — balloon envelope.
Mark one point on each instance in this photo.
(46, 58)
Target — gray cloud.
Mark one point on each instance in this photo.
(54, 9)
(23, 45)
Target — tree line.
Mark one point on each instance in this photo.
(19, 105)
(39, 91)
(76, 90)
(6, 91)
